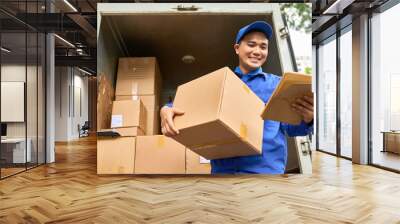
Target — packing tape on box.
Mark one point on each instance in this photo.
(243, 136)
(161, 141)
(243, 131)
(213, 144)
(246, 88)
(134, 88)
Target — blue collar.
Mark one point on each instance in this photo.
(253, 73)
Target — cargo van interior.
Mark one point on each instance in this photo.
(208, 39)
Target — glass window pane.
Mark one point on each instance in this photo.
(13, 87)
(385, 89)
(327, 97)
(31, 97)
(346, 94)
(23, 77)
(41, 98)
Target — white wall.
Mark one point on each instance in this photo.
(79, 117)
(61, 103)
(14, 72)
(17, 73)
(33, 126)
(70, 83)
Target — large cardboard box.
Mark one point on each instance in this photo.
(151, 103)
(128, 113)
(138, 76)
(279, 107)
(196, 164)
(159, 154)
(222, 116)
(115, 155)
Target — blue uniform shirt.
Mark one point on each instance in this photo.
(274, 149)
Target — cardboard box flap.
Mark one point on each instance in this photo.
(218, 138)
(229, 150)
(200, 99)
(239, 100)
(205, 134)
(292, 86)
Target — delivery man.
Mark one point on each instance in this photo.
(251, 46)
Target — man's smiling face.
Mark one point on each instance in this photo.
(252, 51)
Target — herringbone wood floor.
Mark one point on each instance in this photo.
(69, 191)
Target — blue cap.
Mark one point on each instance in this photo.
(261, 26)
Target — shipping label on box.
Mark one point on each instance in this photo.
(204, 160)
(116, 121)
(196, 164)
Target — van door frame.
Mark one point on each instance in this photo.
(301, 144)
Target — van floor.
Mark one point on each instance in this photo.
(70, 191)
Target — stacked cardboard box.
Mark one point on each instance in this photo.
(140, 78)
(155, 154)
(122, 146)
(222, 119)
(115, 155)
(158, 154)
(126, 154)
(129, 116)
